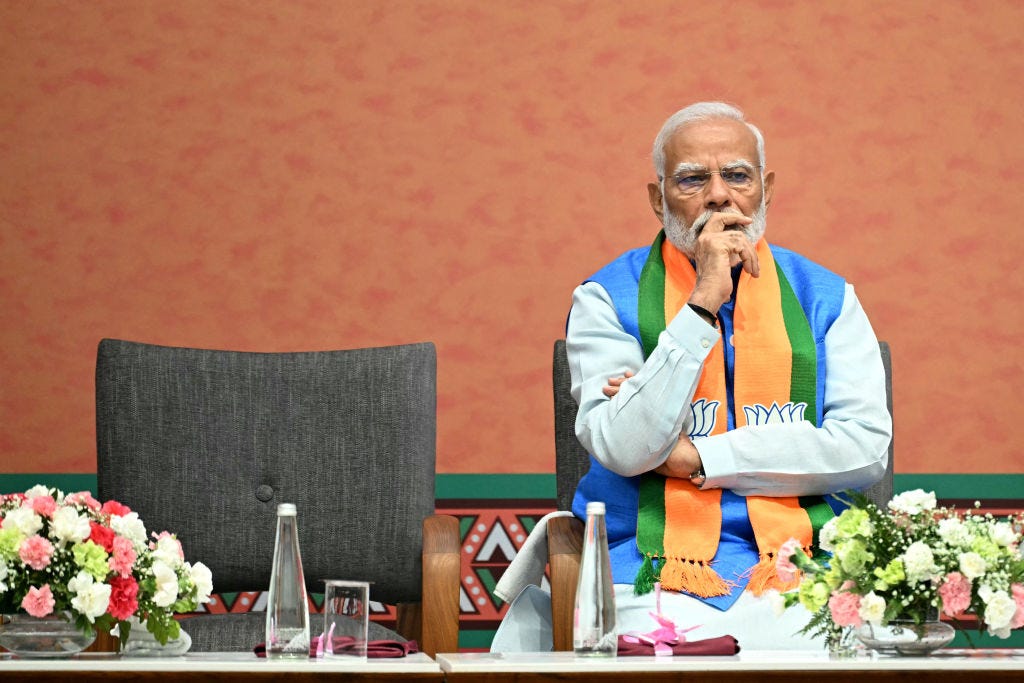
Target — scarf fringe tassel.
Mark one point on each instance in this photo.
(693, 576)
(646, 577)
(764, 577)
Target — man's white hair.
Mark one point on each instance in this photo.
(699, 112)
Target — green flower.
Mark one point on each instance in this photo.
(10, 539)
(986, 547)
(92, 558)
(854, 522)
(834, 577)
(892, 574)
(813, 595)
(853, 557)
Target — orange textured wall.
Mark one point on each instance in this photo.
(312, 175)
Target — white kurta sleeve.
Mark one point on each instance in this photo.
(634, 431)
(849, 450)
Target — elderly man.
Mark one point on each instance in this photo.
(725, 385)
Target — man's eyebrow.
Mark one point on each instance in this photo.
(689, 167)
(739, 163)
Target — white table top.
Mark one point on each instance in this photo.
(754, 660)
(218, 661)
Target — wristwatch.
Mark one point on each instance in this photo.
(697, 477)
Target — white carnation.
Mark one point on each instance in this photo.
(1003, 534)
(913, 502)
(129, 526)
(37, 491)
(24, 519)
(203, 579)
(872, 608)
(776, 602)
(972, 565)
(999, 611)
(827, 536)
(167, 549)
(3, 575)
(918, 562)
(954, 532)
(68, 526)
(166, 584)
(91, 598)
(80, 581)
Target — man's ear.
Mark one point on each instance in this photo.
(769, 187)
(654, 197)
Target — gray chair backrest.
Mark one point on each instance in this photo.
(206, 443)
(881, 491)
(572, 460)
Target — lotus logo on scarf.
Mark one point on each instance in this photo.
(757, 414)
(703, 417)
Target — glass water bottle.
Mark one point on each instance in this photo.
(593, 632)
(287, 608)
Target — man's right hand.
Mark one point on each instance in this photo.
(720, 246)
(683, 461)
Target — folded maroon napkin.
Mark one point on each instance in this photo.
(722, 645)
(375, 649)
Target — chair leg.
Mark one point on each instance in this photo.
(442, 563)
(565, 543)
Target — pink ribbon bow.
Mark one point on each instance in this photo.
(666, 635)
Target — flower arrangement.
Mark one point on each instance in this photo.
(70, 553)
(908, 563)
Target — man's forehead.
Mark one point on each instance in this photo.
(718, 137)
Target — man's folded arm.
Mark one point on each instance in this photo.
(633, 431)
(849, 450)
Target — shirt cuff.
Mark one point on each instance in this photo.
(719, 462)
(692, 333)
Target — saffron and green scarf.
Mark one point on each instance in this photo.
(679, 525)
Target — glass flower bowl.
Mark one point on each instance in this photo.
(52, 636)
(906, 638)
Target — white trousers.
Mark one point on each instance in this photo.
(751, 620)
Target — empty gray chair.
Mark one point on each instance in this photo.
(206, 443)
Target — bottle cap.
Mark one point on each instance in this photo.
(595, 507)
(287, 510)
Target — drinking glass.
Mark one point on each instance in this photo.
(346, 620)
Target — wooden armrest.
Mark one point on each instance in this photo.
(442, 561)
(565, 543)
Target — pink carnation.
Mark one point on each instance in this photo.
(784, 567)
(955, 592)
(112, 507)
(36, 551)
(123, 556)
(1018, 597)
(845, 608)
(82, 498)
(44, 505)
(124, 593)
(38, 601)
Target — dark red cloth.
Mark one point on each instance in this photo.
(722, 645)
(375, 649)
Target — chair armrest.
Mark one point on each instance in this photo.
(442, 562)
(565, 543)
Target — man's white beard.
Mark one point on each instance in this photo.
(684, 235)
